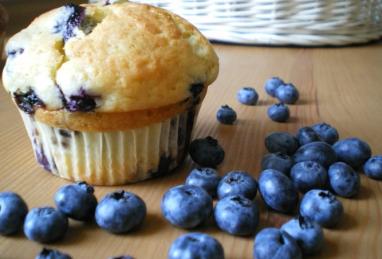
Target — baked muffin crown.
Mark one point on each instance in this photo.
(107, 58)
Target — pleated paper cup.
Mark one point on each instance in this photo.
(112, 158)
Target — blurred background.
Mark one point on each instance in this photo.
(257, 22)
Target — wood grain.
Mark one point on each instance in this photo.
(342, 86)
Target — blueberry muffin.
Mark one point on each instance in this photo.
(109, 92)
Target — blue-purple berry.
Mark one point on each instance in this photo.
(47, 253)
(13, 210)
(308, 234)
(237, 183)
(237, 215)
(287, 93)
(277, 191)
(247, 96)
(272, 84)
(186, 206)
(326, 132)
(343, 180)
(206, 178)
(319, 152)
(353, 151)
(206, 152)
(28, 102)
(279, 112)
(277, 161)
(82, 102)
(226, 115)
(321, 207)
(276, 244)
(45, 225)
(373, 167)
(120, 212)
(308, 175)
(71, 18)
(282, 142)
(307, 135)
(76, 201)
(196, 246)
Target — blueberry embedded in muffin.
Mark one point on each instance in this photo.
(72, 16)
(82, 102)
(28, 102)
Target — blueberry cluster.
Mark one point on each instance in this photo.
(285, 94)
(117, 212)
(314, 162)
(191, 205)
(275, 87)
(319, 165)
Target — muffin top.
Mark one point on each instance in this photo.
(107, 58)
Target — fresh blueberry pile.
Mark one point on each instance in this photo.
(191, 205)
(314, 162)
(118, 212)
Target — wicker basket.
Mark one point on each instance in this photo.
(282, 22)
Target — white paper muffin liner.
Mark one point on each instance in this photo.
(111, 158)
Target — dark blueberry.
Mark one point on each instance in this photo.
(343, 180)
(277, 191)
(373, 167)
(272, 84)
(287, 94)
(45, 225)
(326, 132)
(276, 244)
(206, 152)
(277, 161)
(278, 112)
(81, 102)
(12, 213)
(247, 96)
(47, 253)
(352, 151)
(196, 89)
(71, 18)
(76, 201)
(322, 207)
(308, 175)
(28, 102)
(237, 183)
(282, 142)
(119, 212)
(308, 234)
(196, 246)
(14, 52)
(226, 115)
(307, 135)
(319, 152)
(186, 206)
(207, 178)
(237, 215)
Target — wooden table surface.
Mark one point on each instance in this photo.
(341, 86)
